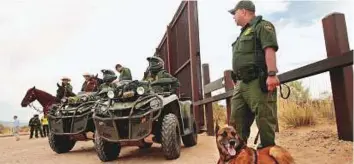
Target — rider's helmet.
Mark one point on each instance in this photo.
(155, 64)
(108, 76)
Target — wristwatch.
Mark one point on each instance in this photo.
(272, 73)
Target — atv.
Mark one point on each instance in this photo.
(136, 110)
(71, 121)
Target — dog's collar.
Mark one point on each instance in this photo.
(255, 156)
(240, 147)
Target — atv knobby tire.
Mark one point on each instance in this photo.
(60, 143)
(191, 139)
(171, 139)
(106, 151)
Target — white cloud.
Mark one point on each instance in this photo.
(301, 45)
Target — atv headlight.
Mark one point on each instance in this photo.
(154, 104)
(110, 94)
(64, 100)
(84, 98)
(104, 107)
(57, 112)
(140, 90)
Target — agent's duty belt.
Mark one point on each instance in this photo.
(247, 74)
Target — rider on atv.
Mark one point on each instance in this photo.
(108, 77)
(158, 76)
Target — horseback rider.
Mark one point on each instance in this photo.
(159, 77)
(90, 84)
(65, 90)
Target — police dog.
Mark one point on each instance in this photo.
(233, 150)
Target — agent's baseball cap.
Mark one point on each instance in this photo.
(243, 4)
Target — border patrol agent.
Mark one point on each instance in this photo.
(254, 67)
(158, 75)
(108, 77)
(124, 72)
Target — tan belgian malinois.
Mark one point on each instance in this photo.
(233, 150)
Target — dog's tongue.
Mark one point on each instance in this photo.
(231, 150)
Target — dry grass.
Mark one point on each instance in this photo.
(326, 109)
(219, 114)
(310, 112)
(292, 113)
(8, 130)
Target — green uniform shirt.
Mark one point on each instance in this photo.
(68, 90)
(125, 74)
(244, 48)
(106, 85)
(34, 121)
(163, 74)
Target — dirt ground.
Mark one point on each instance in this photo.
(308, 146)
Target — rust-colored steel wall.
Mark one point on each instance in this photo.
(179, 49)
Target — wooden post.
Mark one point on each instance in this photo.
(208, 106)
(336, 39)
(193, 43)
(228, 86)
(200, 92)
(169, 49)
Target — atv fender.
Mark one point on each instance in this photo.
(182, 109)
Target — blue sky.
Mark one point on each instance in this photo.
(41, 41)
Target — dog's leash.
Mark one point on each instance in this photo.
(282, 96)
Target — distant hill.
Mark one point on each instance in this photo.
(9, 124)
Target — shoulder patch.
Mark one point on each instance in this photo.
(268, 27)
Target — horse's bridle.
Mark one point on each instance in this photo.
(33, 93)
(35, 108)
(28, 99)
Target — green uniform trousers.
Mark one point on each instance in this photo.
(249, 103)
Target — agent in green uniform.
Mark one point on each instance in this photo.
(124, 72)
(108, 77)
(254, 69)
(159, 77)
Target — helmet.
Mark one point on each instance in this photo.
(108, 76)
(155, 63)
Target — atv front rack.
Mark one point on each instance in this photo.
(58, 121)
(139, 125)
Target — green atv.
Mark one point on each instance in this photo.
(71, 121)
(136, 110)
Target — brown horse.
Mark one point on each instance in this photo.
(44, 98)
